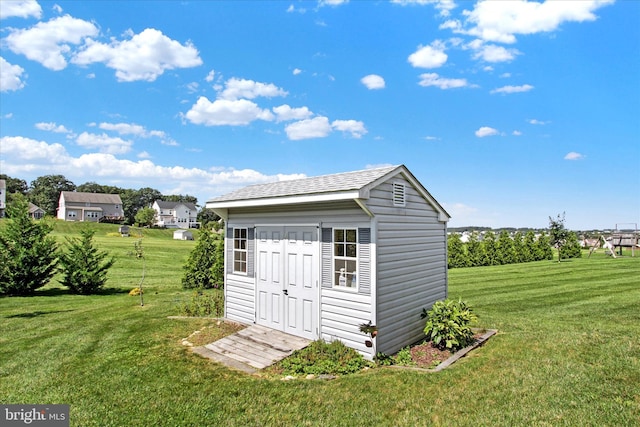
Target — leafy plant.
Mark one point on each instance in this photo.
(83, 265)
(28, 255)
(205, 266)
(371, 330)
(320, 357)
(404, 357)
(204, 305)
(448, 324)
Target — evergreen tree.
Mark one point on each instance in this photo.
(83, 265)
(571, 247)
(558, 234)
(205, 266)
(518, 248)
(457, 255)
(475, 250)
(27, 253)
(543, 248)
(490, 249)
(505, 252)
(529, 247)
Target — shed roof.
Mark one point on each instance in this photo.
(341, 186)
(79, 197)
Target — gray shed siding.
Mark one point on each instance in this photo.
(411, 264)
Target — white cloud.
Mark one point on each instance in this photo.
(318, 127)
(432, 138)
(210, 76)
(516, 133)
(144, 56)
(501, 21)
(494, 53)
(296, 71)
(48, 42)
(144, 155)
(285, 113)
(249, 89)
(104, 143)
(10, 76)
(431, 56)
(20, 9)
(537, 122)
(512, 89)
(52, 127)
(354, 127)
(226, 112)
(433, 79)
(574, 156)
(21, 148)
(444, 6)
(373, 81)
(505, 75)
(486, 131)
(332, 2)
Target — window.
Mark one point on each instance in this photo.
(345, 257)
(239, 250)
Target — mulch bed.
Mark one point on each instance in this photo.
(427, 356)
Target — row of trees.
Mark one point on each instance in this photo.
(504, 249)
(30, 257)
(45, 192)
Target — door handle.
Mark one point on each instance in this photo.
(286, 292)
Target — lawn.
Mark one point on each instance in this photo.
(568, 353)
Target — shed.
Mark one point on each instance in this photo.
(317, 257)
(182, 235)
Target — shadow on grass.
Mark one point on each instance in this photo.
(55, 292)
(35, 314)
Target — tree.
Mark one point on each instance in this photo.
(571, 248)
(92, 187)
(475, 250)
(529, 247)
(490, 249)
(134, 200)
(45, 191)
(543, 248)
(457, 254)
(518, 248)
(83, 265)
(180, 198)
(558, 234)
(28, 255)
(207, 216)
(146, 217)
(15, 185)
(205, 266)
(504, 248)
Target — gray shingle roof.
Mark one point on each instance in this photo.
(78, 197)
(172, 205)
(334, 183)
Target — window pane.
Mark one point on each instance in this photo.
(236, 233)
(243, 233)
(351, 250)
(338, 235)
(351, 236)
(243, 244)
(236, 244)
(338, 249)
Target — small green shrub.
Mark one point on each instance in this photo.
(320, 357)
(449, 324)
(404, 357)
(84, 267)
(204, 305)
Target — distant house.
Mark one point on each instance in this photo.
(3, 197)
(35, 212)
(94, 207)
(175, 214)
(318, 257)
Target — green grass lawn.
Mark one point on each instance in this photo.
(567, 353)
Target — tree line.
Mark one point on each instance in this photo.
(503, 249)
(44, 192)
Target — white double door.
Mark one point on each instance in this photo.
(287, 273)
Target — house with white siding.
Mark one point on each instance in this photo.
(93, 207)
(318, 257)
(175, 214)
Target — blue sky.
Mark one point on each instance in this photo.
(508, 112)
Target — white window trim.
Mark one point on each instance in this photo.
(246, 251)
(334, 285)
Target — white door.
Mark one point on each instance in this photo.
(287, 288)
